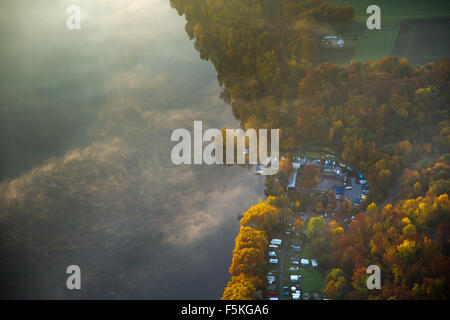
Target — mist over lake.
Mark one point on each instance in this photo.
(86, 176)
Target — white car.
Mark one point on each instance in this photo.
(304, 262)
(296, 295)
(294, 278)
(276, 242)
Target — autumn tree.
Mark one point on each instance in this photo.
(316, 226)
(335, 284)
(240, 287)
(310, 176)
(261, 217)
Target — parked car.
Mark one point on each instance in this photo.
(273, 247)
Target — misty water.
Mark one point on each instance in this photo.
(86, 176)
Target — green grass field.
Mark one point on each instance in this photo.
(375, 44)
(423, 41)
(392, 10)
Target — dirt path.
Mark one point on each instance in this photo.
(281, 268)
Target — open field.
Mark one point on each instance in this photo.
(423, 41)
(391, 11)
(375, 44)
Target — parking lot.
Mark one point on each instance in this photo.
(337, 181)
(330, 182)
(356, 190)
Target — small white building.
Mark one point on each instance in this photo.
(332, 41)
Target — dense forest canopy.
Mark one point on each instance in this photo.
(378, 116)
(410, 241)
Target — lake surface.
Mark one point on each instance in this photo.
(86, 176)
